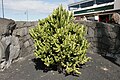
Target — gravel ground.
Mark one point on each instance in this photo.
(97, 69)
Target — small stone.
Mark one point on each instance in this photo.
(87, 65)
(112, 34)
(17, 69)
(90, 32)
(15, 40)
(28, 36)
(15, 32)
(6, 40)
(26, 44)
(19, 32)
(29, 49)
(20, 24)
(20, 65)
(96, 66)
(28, 75)
(31, 42)
(104, 68)
(2, 65)
(22, 32)
(53, 73)
(25, 31)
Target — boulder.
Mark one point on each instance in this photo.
(6, 26)
(9, 44)
(10, 51)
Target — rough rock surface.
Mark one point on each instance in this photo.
(104, 38)
(9, 44)
(6, 26)
(15, 41)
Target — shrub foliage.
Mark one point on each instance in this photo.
(58, 40)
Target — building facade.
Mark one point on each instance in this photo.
(98, 10)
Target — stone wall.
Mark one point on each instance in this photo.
(15, 41)
(104, 38)
(25, 41)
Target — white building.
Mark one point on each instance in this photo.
(99, 10)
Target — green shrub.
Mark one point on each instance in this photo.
(59, 41)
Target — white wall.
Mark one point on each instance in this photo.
(117, 4)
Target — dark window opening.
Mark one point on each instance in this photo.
(87, 4)
(103, 1)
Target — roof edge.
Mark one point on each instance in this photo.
(80, 2)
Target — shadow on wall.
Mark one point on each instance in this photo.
(108, 41)
(104, 39)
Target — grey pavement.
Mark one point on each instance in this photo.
(98, 68)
